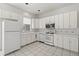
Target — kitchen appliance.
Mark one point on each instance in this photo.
(50, 26)
(47, 26)
(10, 35)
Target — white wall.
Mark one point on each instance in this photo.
(61, 10)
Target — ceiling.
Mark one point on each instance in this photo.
(43, 7)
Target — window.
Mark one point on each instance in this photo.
(27, 24)
(26, 20)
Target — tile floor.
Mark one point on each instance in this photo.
(41, 49)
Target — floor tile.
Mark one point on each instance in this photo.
(41, 49)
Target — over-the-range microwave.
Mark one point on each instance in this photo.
(50, 26)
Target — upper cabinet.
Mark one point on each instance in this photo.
(61, 20)
(73, 19)
(51, 19)
(42, 23)
(46, 20)
(8, 14)
(56, 21)
(66, 20)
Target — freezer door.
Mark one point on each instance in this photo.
(11, 25)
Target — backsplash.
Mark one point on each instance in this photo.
(67, 31)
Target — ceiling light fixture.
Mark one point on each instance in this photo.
(28, 4)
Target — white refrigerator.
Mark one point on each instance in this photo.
(11, 36)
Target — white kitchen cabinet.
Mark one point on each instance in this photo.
(66, 20)
(51, 20)
(42, 23)
(60, 41)
(0, 12)
(33, 38)
(74, 44)
(55, 40)
(47, 20)
(56, 21)
(73, 19)
(24, 39)
(27, 37)
(69, 42)
(66, 42)
(61, 21)
(0, 35)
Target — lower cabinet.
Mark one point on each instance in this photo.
(69, 42)
(55, 40)
(27, 37)
(66, 42)
(58, 40)
(74, 44)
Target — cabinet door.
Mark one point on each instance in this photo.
(0, 13)
(24, 39)
(66, 20)
(52, 20)
(73, 19)
(33, 37)
(56, 21)
(60, 41)
(47, 21)
(74, 44)
(55, 40)
(66, 42)
(0, 36)
(42, 23)
(61, 21)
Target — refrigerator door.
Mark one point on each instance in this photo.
(12, 41)
(11, 26)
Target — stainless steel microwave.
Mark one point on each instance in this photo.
(50, 26)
